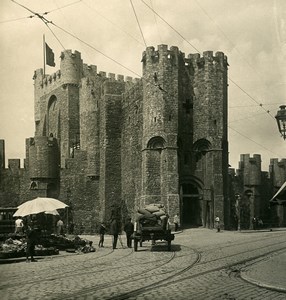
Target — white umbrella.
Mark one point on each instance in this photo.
(52, 212)
(278, 198)
(38, 205)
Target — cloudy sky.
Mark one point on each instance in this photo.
(252, 33)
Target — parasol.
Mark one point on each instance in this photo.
(52, 212)
(280, 197)
(38, 205)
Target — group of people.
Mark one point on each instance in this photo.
(115, 231)
(128, 228)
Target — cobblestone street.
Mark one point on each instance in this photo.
(203, 264)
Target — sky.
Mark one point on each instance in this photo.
(112, 34)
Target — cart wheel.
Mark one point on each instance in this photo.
(169, 245)
(135, 245)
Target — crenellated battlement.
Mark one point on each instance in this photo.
(251, 169)
(174, 56)
(208, 58)
(150, 55)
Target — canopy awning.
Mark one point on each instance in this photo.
(280, 197)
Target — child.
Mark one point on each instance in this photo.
(101, 234)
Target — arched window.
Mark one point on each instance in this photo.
(53, 114)
(201, 147)
(156, 142)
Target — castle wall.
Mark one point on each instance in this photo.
(90, 96)
(124, 144)
(277, 170)
(110, 136)
(131, 149)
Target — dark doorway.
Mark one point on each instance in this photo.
(191, 207)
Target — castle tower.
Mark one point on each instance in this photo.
(90, 96)
(57, 103)
(277, 171)
(160, 127)
(251, 173)
(210, 143)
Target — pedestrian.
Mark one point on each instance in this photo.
(176, 222)
(60, 227)
(114, 230)
(71, 227)
(102, 230)
(254, 223)
(31, 236)
(129, 229)
(217, 222)
(259, 223)
(19, 224)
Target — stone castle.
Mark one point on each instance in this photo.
(109, 145)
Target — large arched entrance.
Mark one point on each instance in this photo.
(191, 206)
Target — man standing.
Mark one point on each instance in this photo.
(114, 230)
(217, 222)
(129, 229)
(19, 225)
(176, 222)
(32, 236)
(60, 227)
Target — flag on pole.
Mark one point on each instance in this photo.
(50, 57)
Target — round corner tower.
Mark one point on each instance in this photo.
(160, 126)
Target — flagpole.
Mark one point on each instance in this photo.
(44, 53)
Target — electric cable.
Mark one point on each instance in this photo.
(138, 23)
(248, 118)
(222, 32)
(248, 138)
(254, 105)
(151, 3)
(46, 22)
(115, 25)
(45, 13)
(12, 20)
(200, 53)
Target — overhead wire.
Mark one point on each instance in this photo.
(248, 138)
(120, 64)
(133, 8)
(222, 32)
(112, 23)
(248, 117)
(200, 52)
(254, 105)
(12, 20)
(157, 26)
(44, 13)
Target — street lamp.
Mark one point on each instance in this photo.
(281, 120)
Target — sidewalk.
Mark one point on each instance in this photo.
(270, 273)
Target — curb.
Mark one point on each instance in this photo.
(261, 284)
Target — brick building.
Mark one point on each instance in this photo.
(109, 144)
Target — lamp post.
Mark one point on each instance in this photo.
(281, 120)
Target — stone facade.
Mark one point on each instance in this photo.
(250, 190)
(108, 144)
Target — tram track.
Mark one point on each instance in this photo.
(177, 279)
(159, 270)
